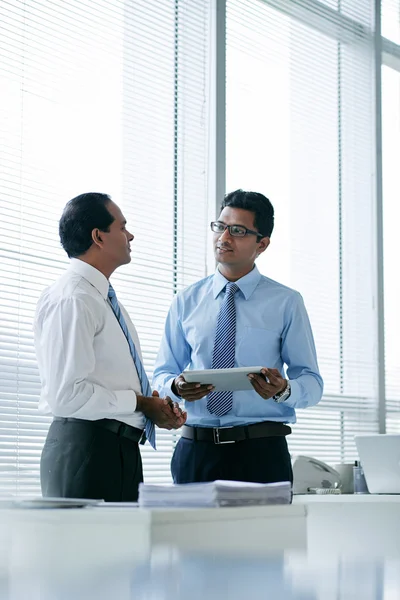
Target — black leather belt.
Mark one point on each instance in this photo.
(230, 435)
(121, 429)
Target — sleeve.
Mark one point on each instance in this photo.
(65, 350)
(174, 354)
(299, 354)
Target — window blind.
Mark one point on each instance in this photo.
(391, 194)
(97, 96)
(114, 96)
(300, 129)
(390, 16)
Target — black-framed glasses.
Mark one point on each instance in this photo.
(234, 230)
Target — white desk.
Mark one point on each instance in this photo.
(362, 525)
(234, 530)
(170, 574)
(31, 540)
(28, 535)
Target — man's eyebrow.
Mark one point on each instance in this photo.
(233, 224)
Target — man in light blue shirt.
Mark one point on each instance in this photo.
(237, 318)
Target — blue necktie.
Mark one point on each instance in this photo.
(220, 403)
(144, 382)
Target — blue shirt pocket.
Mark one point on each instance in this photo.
(257, 346)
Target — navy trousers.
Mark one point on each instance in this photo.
(261, 460)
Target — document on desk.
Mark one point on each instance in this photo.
(39, 502)
(214, 494)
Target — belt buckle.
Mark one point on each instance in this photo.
(143, 439)
(216, 436)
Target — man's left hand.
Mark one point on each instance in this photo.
(269, 383)
(171, 417)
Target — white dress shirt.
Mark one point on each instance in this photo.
(85, 365)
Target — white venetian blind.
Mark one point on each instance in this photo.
(300, 129)
(390, 17)
(106, 96)
(391, 216)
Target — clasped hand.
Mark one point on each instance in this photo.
(162, 411)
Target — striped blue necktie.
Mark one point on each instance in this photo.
(220, 403)
(144, 382)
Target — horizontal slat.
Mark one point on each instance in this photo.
(123, 115)
(303, 102)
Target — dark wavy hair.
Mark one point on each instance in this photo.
(81, 215)
(257, 204)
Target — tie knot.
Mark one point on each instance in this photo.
(231, 288)
(111, 292)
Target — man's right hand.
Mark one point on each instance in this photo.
(190, 391)
(162, 411)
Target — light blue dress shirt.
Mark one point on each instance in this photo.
(272, 330)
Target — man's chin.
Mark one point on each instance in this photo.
(224, 257)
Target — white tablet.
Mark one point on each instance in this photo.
(232, 380)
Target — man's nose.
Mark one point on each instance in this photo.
(130, 236)
(225, 235)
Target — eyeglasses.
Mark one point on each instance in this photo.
(234, 230)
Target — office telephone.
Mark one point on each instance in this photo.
(310, 474)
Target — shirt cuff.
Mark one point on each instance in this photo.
(126, 402)
(295, 394)
(169, 392)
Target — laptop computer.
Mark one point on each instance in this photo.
(380, 458)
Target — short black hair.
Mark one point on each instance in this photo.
(80, 216)
(257, 204)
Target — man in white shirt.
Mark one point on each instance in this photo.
(88, 351)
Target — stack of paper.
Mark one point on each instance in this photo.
(214, 493)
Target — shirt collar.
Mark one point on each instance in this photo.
(246, 284)
(91, 274)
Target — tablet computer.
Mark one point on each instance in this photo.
(232, 380)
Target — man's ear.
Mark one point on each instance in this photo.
(97, 237)
(263, 245)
